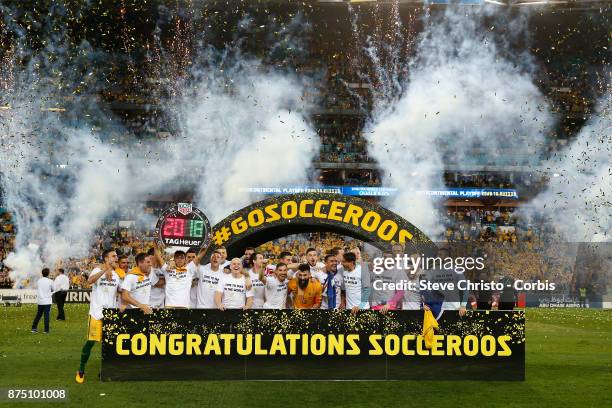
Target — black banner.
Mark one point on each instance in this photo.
(289, 214)
(78, 295)
(310, 344)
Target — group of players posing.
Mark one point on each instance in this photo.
(341, 281)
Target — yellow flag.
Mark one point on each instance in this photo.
(429, 324)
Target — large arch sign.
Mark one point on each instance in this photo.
(289, 214)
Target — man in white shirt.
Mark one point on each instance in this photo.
(45, 294)
(209, 276)
(312, 258)
(332, 284)
(356, 282)
(136, 287)
(61, 284)
(287, 258)
(177, 281)
(105, 284)
(223, 261)
(234, 290)
(193, 293)
(275, 287)
(158, 293)
(257, 270)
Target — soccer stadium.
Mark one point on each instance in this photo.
(182, 182)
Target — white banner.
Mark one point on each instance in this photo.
(24, 295)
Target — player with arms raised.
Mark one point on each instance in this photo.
(275, 287)
(104, 283)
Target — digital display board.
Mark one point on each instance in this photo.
(183, 225)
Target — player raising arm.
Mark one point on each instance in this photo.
(275, 287)
(104, 283)
(178, 281)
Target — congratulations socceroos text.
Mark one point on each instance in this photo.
(142, 344)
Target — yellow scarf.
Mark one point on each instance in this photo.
(136, 271)
(180, 270)
(429, 324)
(120, 272)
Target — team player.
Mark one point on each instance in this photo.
(123, 264)
(177, 280)
(382, 298)
(356, 281)
(223, 261)
(450, 299)
(287, 258)
(275, 287)
(246, 258)
(257, 270)
(136, 287)
(332, 285)
(234, 290)
(193, 294)
(316, 267)
(306, 292)
(158, 293)
(412, 295)
(105, 284)
(208, 278)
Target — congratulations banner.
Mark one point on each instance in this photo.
(310, 345)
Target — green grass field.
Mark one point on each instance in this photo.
(569, 364)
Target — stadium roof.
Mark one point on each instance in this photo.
(573, 4)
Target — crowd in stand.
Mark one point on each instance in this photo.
(522, 251)
(7, 241)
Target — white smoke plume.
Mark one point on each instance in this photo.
(241, 124)
(578, 198)
(256, 134)
(463, 95)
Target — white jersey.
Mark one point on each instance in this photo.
(385, 279)
(45, 291)
(258, 289)
(140, 289)
(319, 275)
(193, 295)
(412, 298)
(103, 294)
(234, 291)
(337, 282)
(61, 283)
(207, 284)
(353, 282)
(316, 269)
(158, 295)
(178, 285)
(276, 293)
